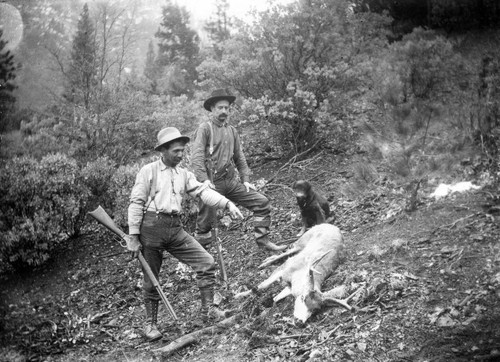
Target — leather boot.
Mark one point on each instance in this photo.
(205, 239)
(151, 331)
(208, 311)
(264, 243)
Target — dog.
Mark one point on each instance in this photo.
(314, 208)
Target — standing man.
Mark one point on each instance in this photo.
(217, 153)
(155, 225)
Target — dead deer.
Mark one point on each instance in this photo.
(316, 254)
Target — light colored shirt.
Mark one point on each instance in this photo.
(172, 184)
(227, 148)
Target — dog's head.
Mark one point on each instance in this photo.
(302, 190)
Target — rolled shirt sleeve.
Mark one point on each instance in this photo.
(207, 195)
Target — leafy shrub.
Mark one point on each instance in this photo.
(121, 185)
(97, 178)
(43, 204)
(293, 125)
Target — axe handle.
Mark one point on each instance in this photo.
(218, 246)
(215, 230)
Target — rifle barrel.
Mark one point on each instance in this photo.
(157, 285)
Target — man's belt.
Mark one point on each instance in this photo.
(225, 172)
(164, 214)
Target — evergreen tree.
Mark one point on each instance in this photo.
(7, 76)
(218, 27)
(178, 49)
(83, 69)
(151, 71)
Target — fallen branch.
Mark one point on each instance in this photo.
(193, 337)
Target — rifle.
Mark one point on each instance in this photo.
(100, 215)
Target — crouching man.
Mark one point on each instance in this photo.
(155, 225)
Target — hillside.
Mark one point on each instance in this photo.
(427, 282)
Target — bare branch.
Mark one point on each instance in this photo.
(291, 161)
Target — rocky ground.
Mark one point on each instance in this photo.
(426, 286)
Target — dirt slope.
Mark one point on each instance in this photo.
(427, 288)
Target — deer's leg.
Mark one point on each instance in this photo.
(283, 294)
(275, 276)
(274, 258)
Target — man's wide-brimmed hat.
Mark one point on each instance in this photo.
(169, 134)
(218, 95)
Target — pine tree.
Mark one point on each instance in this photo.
(151, 70)
(7, 76)
(218, 27)
(178, 48)
(83, 69)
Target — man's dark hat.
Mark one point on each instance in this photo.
(218, 95)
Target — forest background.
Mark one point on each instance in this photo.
(411, 89)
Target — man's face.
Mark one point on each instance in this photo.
(220, 110)
(172, 155)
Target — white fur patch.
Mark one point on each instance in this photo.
(301, 312)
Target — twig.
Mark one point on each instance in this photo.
(317, 176)
(328, 335)
(112, 254)
(449, 226)
(307, 161)
(279, 185)
(124, 355)
(293, 336)
(454, 255)
(109, 334)
(465, 300)
(291, 161)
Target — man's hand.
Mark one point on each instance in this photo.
(234, 211)
(249, 186)
(206, 185)
(133, 245)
